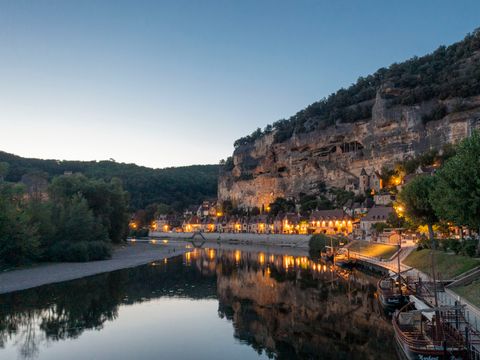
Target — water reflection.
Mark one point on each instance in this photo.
(282, 306)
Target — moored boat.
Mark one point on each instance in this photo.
(422, 332)
(392, 294)
(328, 254)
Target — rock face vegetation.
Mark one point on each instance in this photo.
(393, 115)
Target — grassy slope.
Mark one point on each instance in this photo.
(380, 251)
(471, 292)
(447, 265)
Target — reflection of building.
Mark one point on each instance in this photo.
(290, 307)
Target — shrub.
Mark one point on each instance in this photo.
(469, 247)
(99, 250)
(80, 251)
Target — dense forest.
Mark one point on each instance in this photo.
(448, 72)
(176, 187)
(72, 218)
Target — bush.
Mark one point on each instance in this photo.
(139, 233)
(99, 250)
(80, 251)
(450, 245)
(469, 247)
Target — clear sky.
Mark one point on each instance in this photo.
(175, 82)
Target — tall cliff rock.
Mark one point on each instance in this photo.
(411, 108)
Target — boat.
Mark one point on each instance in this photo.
(436, 333)
(328, 254)
(342, 258)
(392, 294)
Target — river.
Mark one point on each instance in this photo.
(205, 304)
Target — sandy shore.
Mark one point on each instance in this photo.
(127, 256)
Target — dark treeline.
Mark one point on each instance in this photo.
(73, 219)
(176, 187)
(448, 72)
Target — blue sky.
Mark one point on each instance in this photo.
(168, 83)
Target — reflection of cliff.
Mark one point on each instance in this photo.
(301, 314)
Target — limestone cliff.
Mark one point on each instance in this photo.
(336, 151)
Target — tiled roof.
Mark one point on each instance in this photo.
(379, 213)
(328, 215)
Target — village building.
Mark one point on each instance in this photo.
(330, 222)
(377, 214)
(383, 198)
(192, 224)
(162, 223)
(373, 181)
(420, 171)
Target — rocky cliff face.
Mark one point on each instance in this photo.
(264, 170)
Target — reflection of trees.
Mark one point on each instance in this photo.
(61, 311)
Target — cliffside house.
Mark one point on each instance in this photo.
(353, 186)
(330, 222)
(373, 181)
(420, 171)
(377, 214)
(358, 209)
(383, 198)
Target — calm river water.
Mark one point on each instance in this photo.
(207, 304)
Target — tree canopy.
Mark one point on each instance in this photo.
(177, 187)
(457, 194)
(75, 220)
(415, 201)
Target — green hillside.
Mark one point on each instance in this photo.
(175, 186)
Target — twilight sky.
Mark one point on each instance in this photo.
(175, 82)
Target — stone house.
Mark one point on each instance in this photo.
(373, 181)
(330, 222)
(377, 214)
(383, 198)
(162, 223)
(192, 224)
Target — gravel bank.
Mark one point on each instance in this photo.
(127, 256)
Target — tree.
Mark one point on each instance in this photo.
(3, 170)
(415, 199)
(457, 194)
(18, 239)
(281, 205)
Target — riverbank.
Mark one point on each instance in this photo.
(127, 256)
(290, 240)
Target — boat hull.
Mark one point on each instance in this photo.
(405, 352)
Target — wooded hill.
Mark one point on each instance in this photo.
(177, 187)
